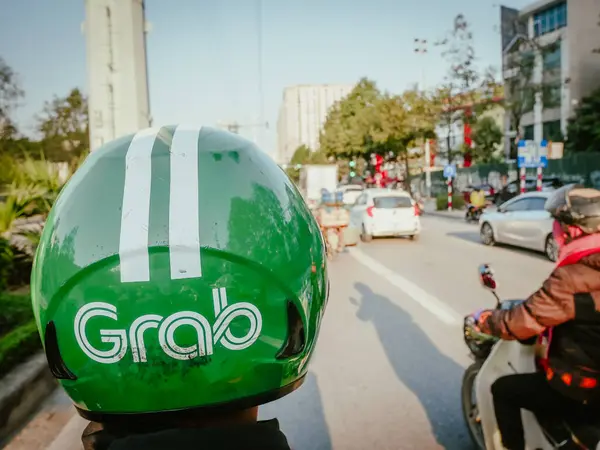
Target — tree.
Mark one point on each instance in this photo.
(398, 123)
(348, 121)
(487, 135)
(302, 156)
(466, 92)
(64, 125)
(10, 94)
(583, 130)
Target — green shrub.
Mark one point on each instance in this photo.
(16, 310)
(6, 265)
(18, 345)
(20, 272)
(441, 202)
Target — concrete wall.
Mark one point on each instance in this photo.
(117, 72)
(584, 37)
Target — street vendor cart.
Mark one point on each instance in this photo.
(333, 217)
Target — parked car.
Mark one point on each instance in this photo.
(385, 212)
(522, 222)
(350, 192)
(512, 189)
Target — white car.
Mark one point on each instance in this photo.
(385, 212)
(350, 192)
(522, 222)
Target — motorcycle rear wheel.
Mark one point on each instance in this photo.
(469, 406)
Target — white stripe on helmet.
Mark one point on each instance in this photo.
(135, 212)
(184, 226)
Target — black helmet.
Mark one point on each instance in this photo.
(574, 204)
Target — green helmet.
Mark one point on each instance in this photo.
(180, 269)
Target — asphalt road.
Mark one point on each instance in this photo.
(388, 366)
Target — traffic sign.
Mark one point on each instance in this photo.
(450, 171)
(532, 155)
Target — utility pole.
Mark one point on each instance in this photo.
(421, 49)
(261, 101)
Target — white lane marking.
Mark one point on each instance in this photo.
(135, 212)
(184, 226)
(435, 306)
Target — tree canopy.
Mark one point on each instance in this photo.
(487, 135)
(64, 125)
(584, 128)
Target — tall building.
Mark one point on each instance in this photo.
(115, 32)
(302, 115)
(559, 37)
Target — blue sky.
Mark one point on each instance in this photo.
(203, 54)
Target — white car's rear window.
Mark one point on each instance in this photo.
(392, 202)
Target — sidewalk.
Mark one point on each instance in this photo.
(70, 436)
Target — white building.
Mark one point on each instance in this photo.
(568, 32)
(115, 33)
(302, 115)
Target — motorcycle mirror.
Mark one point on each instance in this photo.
(486, 276)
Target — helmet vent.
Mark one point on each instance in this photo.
(58, 368)
(296, 339)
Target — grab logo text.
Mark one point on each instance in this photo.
(121, 340)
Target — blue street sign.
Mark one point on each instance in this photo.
(449, 171)
(532, 155)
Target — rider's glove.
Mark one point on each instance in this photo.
(480, 316)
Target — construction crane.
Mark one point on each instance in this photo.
(234, 127)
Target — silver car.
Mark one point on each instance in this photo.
(522, 222)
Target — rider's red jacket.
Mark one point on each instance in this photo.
(553, 304)
(567, 308)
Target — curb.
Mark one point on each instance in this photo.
(22, 391)
(444, 215)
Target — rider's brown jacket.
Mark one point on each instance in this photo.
(552, 305)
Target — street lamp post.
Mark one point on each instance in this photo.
(421, 49)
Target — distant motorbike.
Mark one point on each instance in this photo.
(494, 358)
(473, 213)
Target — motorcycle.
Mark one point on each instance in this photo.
(494, 358)
(473, 213)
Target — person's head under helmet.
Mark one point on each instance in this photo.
(576, 213)
(180, 282)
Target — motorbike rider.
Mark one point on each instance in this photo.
(477, 201)
(168, 310)
(504, 195)
(566, 307)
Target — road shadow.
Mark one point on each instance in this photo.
(473, 236)
(301, 417)
(433, 378)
